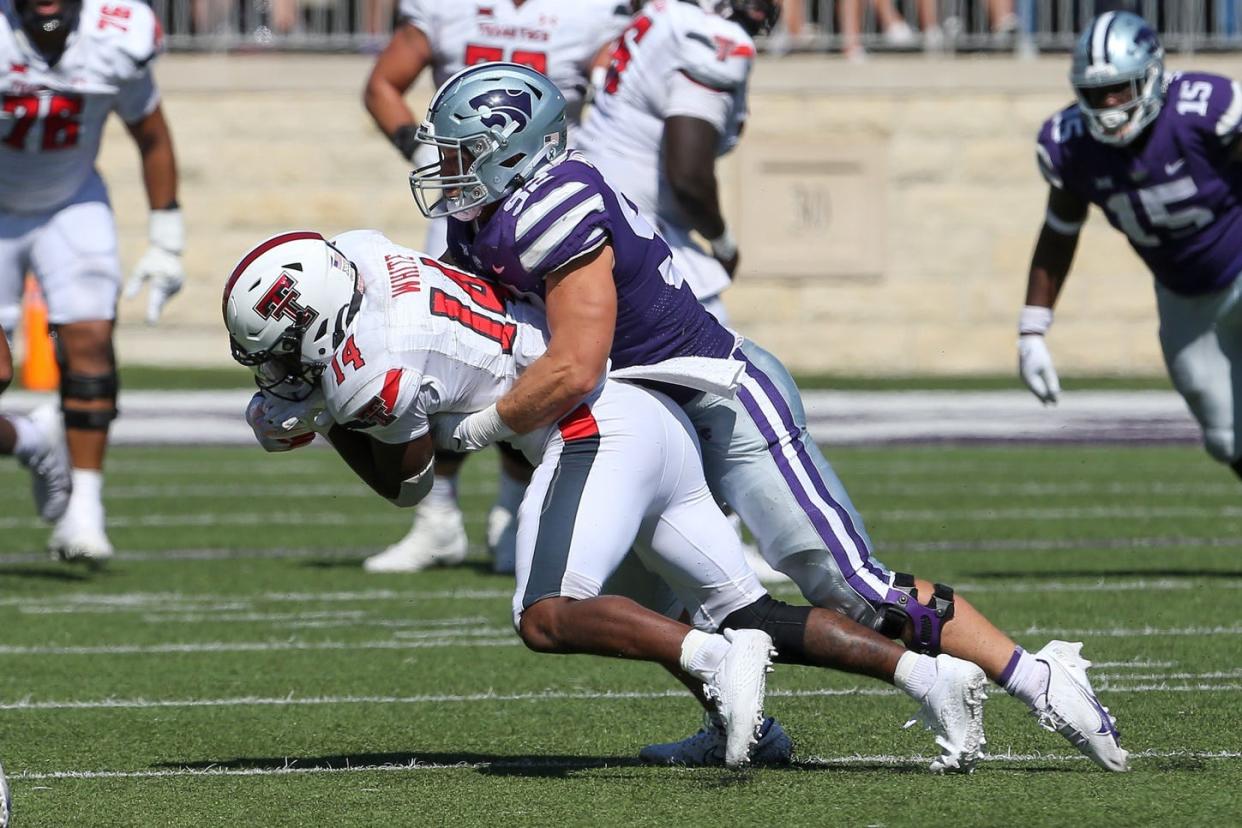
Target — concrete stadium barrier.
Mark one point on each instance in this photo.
(886, 212)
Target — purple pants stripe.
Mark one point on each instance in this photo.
(793, 429)
(817, 516)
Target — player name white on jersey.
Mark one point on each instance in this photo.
(52, 117)
(556, 37)
(426, 339)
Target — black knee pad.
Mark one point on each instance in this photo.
(784, 622)
(1236, 465)
(89, 387)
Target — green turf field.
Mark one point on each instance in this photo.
(236, 667)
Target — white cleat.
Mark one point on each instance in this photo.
(738, 688)
(953, 711)
(79, 536)
(6, 801)
(438, 538)
(502, 539)
(707, 747)
(51, 480)
(1069, 706)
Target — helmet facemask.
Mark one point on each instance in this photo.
(1123, 122)
(451, 185)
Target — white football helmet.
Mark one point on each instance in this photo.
(286, 306)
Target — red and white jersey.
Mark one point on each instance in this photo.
(556, 37)
(427, 339)
(674, 59)
(52, 117)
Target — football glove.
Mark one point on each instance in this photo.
(1036, 369)
(161, 264)
(282, 425)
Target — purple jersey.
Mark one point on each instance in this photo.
(1173, 191)
(566, 211)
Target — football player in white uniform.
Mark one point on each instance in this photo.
(563, 41)
(673, 99)
(66, 65)
(379, 347)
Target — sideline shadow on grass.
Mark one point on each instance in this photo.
(60, 573)
(1061, 574)
(478, 567)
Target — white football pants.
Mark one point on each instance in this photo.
(623, 470)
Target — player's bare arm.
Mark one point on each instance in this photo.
(396, 69)
(159, 163)
(582, 315)
(400, 473)
(689, 150)
(1050, 266)
(161, 264)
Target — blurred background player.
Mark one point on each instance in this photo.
(672, 101)
(563, 40)
(1158, 154)
(37, 441)
(70, 63)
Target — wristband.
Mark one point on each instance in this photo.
(166, 230)
(1034, 319)
(724, 247)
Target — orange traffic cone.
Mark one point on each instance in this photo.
(39, 371)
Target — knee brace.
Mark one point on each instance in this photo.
(75, 387)
(784, 622)
(901, 605)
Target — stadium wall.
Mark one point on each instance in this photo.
(886, 211)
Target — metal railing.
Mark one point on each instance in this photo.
(946, 25)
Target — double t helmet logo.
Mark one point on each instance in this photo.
(281, 302)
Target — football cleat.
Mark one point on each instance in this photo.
(953, 711)
(707, 747)
(738, 688)
(438, 538)
(1069, 706)
(6, 802)
(502, 539)
(51, 480)
(79, 535)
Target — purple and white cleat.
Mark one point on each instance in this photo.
(1069, 706)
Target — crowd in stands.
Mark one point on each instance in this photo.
(851, 27)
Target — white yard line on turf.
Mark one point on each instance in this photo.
(346, 518)
(28, 705)
(486, 636)
(584, 763)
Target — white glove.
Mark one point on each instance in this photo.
(282, 425)
(469, 432)
(161, 264)
(1035, 366)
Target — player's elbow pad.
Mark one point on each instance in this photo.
(415, 488)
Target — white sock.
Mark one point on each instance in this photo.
(29, 441)
(511, 492)
(915, 674)
(87, 486)
(1026, 677)
(701, 654)
(443, 492)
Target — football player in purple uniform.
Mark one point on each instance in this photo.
(1157, 153)
(543, 222)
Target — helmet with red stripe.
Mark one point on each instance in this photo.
(286, 306)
